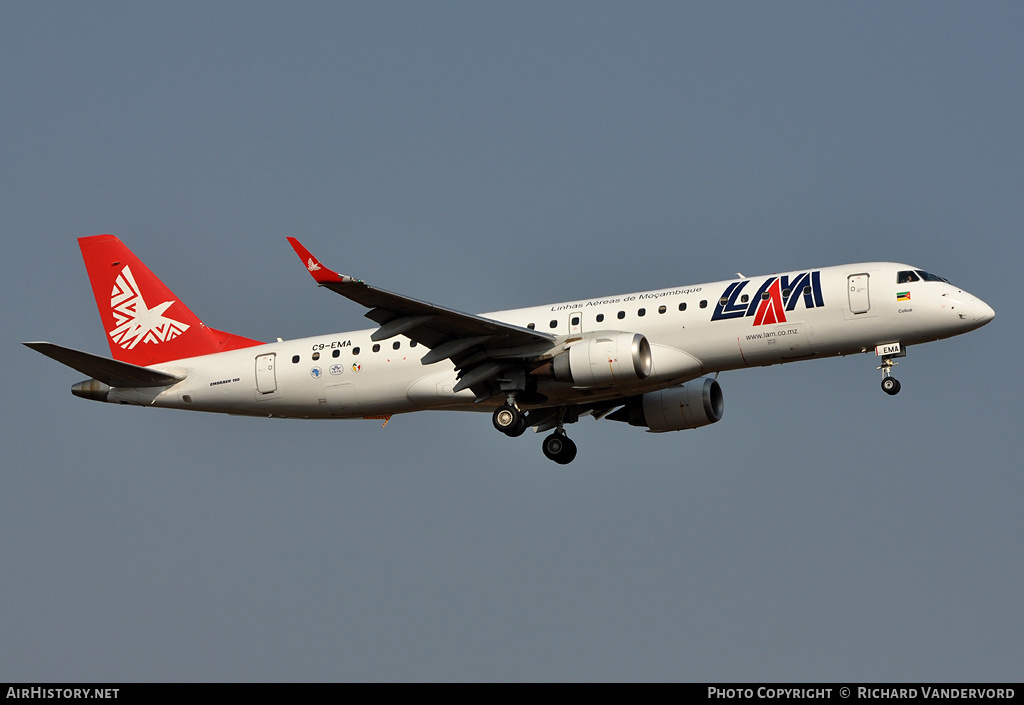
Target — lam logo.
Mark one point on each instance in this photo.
(311, 265)
(134, 321)
(773, 299)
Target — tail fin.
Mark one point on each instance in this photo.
(146, 323)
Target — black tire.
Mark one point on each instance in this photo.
(506, 419)
(568, 453)
(520, 428)
(891, 386)
(552, 446)
(560, 448)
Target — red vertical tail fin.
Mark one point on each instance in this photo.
(146, 323)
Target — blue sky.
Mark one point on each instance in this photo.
(486, 156)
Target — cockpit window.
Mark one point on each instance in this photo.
(918, 275)
(931, 277)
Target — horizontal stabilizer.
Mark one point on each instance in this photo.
(111, 372)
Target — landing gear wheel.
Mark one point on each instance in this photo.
(560, 448)
(890, 385)
(508, 419)
(520, 428)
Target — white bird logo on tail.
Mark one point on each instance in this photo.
(136, 322)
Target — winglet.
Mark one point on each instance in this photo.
(321, 274)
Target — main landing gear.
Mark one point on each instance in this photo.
(890, 385)
(559, 447)
(511, 421)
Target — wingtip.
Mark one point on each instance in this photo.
(314, 266)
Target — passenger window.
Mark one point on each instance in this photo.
(413, 344)
(600, 317)
(745, 298)
(704, 303)
(355, 350)
(642, 312)
(621, 315)
(336, 353)
(295, 359)
(531, 326)
(316, 356)
(662, 309)
(682, 306)
(397, 344)
(376, 347)
(575, 320)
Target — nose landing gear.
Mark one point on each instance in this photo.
(890, 385)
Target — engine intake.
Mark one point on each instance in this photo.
(691, 405)
(604, 360)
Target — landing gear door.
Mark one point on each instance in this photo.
(266, 375)
(860, 301)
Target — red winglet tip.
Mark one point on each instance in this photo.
(319, 272)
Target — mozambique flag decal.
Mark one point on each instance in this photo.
(903, 296)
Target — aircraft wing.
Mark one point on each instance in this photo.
(476, 345)
(111, 372)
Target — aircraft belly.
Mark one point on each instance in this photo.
(436, 391)
(378, 387)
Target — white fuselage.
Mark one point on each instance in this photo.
(693, 331)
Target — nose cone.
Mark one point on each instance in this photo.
(974, 313)
(983, 313)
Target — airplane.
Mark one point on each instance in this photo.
(649, 359)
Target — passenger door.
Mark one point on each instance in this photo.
(860, 300)
(266, 376)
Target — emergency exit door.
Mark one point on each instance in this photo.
(575, 323)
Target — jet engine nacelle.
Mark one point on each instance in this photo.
(604, 359)
(692, 405)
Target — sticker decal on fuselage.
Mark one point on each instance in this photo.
(772, 300)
